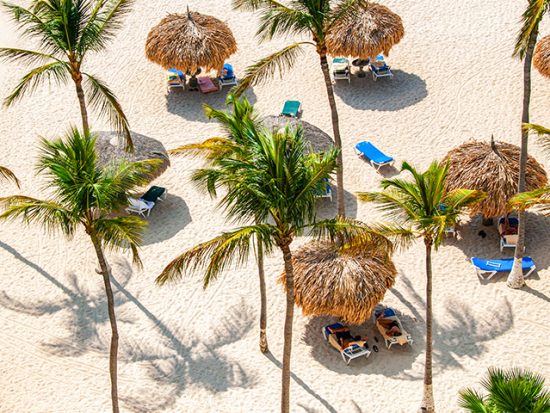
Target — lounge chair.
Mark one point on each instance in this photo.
(140, 206)
(379, 68)
(228, 77)
(325, 191)
(377, 158)
(175, 78)
(154, 194)
(391, 329)
(486, 269)
(354, 347)
(292, 108)
(341, 69)
(508, 231)
(206, 85)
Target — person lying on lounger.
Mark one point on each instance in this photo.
(391, 326)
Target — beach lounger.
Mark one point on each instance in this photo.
(341, 69)
(139, 206)
(379, 68)
(175, 78)
(391, 329)
(508, 231)
(486, 269)
(206, 85)
(354, 347)
(325, 191)
(154, 194)
(292, 108)
(228, 77)
(373, 154)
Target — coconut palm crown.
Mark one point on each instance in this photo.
(67, 31)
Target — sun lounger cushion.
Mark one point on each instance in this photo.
(206, 85)
(373, 153)
(501, 265)
(227, 72)
(153, 194)
(291, 108)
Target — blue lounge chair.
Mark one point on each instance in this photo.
(228, 77)
(379, 68)
(377, 158)
(292, 108)
(487, 268)
(175, 78)
(325, 191)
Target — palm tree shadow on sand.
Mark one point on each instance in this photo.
(385, 95)
(169, 362)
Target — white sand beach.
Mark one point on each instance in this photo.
(185, 349)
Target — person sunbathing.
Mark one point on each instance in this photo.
(391, 326)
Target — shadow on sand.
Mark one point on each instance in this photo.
(328, 209)
(403, 90)
(167, 219)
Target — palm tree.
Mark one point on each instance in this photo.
(85, 196)
(8, 175)
(240, 126)
(422, 208)
(525, 45)
(511, 390)
(300, 17)
(275, 187)
(67, 30)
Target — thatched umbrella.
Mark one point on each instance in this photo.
(319, 140)
(348, 285)
(109, 150)
(372, 30)
(541, 57)
(190, 41)
(491, 167)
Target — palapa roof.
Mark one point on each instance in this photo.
(367, 32)
(319, 140)
(348, 285)
(491, 167)
(110, 150)
(190, 41)
(541, 57)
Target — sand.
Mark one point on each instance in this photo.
(183, 349)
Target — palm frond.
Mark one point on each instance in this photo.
(103, 100)
(542, 132)
(57, 71)
(214, 256)
(122, 232)
(8, 175)
(254, 5)
(264, 69)
(26, 57)
(473, 401)
(537, 198)
(531, 19)
(341, 11)
(209, 149)
(282, 20)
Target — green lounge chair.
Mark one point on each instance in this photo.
(292, 108)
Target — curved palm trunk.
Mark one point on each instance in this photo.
(337, 139)
(77, 77)
(106, 273)
(428, 404)
(263, 300)
(289, 274)
(515, 279)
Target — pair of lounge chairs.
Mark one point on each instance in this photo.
(350, 347)
(176, 78)
(341, 69)
(143, 206)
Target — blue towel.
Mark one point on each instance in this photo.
(177, 72)
(228, 72)
(372, 152)
(501, 265)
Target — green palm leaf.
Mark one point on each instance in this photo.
(122, 232)
(531, 19)
(8, 175)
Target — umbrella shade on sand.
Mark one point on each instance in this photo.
(372, 30)
(109, 151)
(347, 285)
(491, 167)
(190, 41)
(541, 57)
(319, 140)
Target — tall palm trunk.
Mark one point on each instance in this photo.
(263, 300)
(428, 404)
(77, 78)
(289, 274)
(106, 273)
(336, 133)
(515, 279)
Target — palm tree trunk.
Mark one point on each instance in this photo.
(289, 274)
(106, 273)
(428, 404)
(77, 77)
(515, 279)
(263, 300)
(337, 139)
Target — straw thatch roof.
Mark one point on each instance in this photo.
(109, 150)
(190, 41)
(371, 30)
(541, 57)
(491, 167)
(319, 140)
(347, 285)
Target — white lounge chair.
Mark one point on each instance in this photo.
(356, 348)
(341, 69)
(508, 231)
(140, 206)
(379, 68)
(401, 337)
(227, 77)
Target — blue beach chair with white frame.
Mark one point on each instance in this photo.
(486, 269)
(376, 157)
